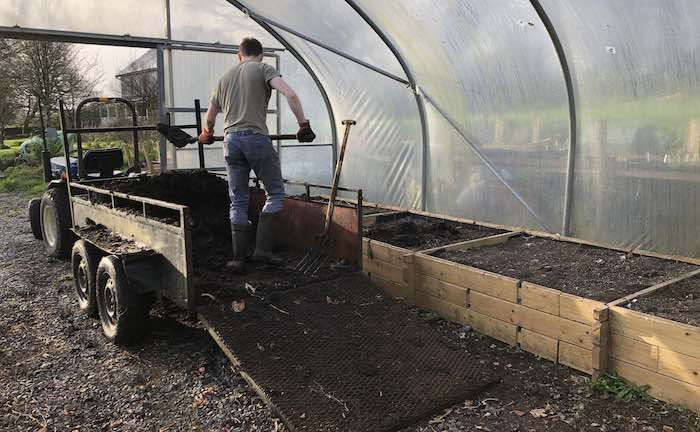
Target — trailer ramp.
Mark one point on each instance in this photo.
(337, 355)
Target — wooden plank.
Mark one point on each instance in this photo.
(633, 351)
(383, 270)
(409, 276)
(502, 331)
(377, 250)
(680, 366)
(576, 357)
(652, 289)
(493, 307)
(661, 386)
(689, 260)
(466, 221)
(468, 277)
(601, 343)
(535, 343)
(540, 298)
(392, 289)
(446, 310)
(578, 309)
(682, 338)
(555, 327)
(471, 244)
(540, 322)
(445, 291)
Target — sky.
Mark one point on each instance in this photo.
(110, 60)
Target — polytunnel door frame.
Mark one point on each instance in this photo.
(166, 98)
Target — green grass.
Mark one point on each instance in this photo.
(620, 388)
(15, 143)
(24, 179)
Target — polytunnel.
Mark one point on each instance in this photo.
(577, 118)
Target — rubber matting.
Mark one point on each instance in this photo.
(339, 356)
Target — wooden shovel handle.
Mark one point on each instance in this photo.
(336, 177)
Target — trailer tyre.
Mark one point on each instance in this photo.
(56, 223)
(123, 312)
(34, 210)
(84, 261)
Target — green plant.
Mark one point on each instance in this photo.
(622, 389)
(25, 179)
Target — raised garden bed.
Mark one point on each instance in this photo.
(679, 302)
(418, 233)
(390, 243)
(556, 298)
(591, 272)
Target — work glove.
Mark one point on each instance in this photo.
(305, 133)
(206, 137)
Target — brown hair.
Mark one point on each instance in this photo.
(250, 47)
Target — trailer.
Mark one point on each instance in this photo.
(129, 251)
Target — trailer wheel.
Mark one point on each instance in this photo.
(56, 223)
(84, 261)
(34, 210)
(123, 312)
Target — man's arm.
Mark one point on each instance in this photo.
(207, 135)
(305, 134)
(210, 119)
(281, 86)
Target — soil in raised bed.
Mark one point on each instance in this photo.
(679, 302)
(420, 233)
(586, 271)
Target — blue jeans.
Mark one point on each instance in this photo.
(243, 151)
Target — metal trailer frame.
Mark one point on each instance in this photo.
(165, 265)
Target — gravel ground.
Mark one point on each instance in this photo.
(57, 373)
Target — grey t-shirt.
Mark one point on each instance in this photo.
(242, 95)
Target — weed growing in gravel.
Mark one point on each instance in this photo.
(619, 387)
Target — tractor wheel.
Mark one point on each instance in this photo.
(123, 312)
(34, 210)
(84, 261)
(56, 223)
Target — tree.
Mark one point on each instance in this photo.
(50, 71)
(8, 97)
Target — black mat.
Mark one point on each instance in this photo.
(339, 356)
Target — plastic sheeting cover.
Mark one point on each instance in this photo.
(214, 21)
(493, 68)
(637, 72)
(334, 23)
(91, 16)
(383, 155)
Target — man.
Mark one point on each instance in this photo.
(242, 95)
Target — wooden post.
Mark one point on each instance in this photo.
(601, 344)
(409, 277)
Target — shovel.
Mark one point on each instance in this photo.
(180, 138)
(314, 258)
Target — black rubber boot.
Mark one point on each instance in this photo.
(240, 238)
(265, 239)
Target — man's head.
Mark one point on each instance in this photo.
(250, 49)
